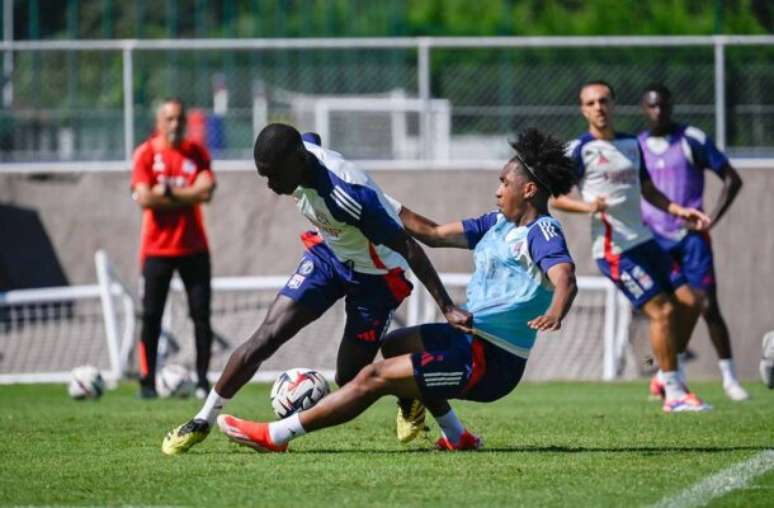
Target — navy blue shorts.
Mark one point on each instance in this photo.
(692, 259)
(321, 279)
(641, 272)
(456, 365)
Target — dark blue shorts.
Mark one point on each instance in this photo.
(692, 259)
(455, 365)
(641, 272)
(321, 279)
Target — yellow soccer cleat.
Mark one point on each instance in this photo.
(181, 438)
(410, 421)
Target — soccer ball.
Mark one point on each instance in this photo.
(85, 383)
(297, 389)
(767, 360)
(174, 381)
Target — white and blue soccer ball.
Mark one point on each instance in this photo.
(174, 381)
(296, 390)
(767, 360)
(86, 383)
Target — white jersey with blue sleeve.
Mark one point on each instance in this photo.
(611, 169)
(351, 214)
(509, 286)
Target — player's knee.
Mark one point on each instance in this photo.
(664, 314)
(370, 379)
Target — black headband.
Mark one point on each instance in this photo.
(532, 172)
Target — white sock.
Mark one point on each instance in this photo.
(286, 429)
(728, 371)
(451, 426)
(212, 407)
(672, 385)
(681, 368)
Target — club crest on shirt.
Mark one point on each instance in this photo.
(188, 166)
(306, 267)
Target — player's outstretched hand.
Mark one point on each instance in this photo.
(545, 323)
(459, 318)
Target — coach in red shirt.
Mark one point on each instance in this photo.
(170, 178)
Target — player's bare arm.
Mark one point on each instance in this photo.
(562, 276)
(432, 234)
(694, 219)
(732, 184)
(420, 264)
(570, 204)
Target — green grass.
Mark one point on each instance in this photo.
(555, 444)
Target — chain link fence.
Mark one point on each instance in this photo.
(372, 99)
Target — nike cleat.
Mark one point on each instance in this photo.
(690, 402)
(182, 438)
(247, 433)
(410, 421)
(467, 442)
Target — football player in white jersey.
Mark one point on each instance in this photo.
(524, 281)
(612, 178)
(359, 251)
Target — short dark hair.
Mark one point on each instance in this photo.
(275, 142)
(601, 82)
(543, 160)
(175, 100)
(659, 88)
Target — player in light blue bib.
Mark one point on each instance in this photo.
(524, 282)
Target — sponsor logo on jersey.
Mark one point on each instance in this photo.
(158, 163)
(296, 281)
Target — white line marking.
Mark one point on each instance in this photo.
(721, 483)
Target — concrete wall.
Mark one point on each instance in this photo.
(253, 232)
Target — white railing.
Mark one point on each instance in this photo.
(424, 47)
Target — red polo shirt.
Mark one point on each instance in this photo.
(179, 231)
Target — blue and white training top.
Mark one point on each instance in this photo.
(509, 286)
(351, 214)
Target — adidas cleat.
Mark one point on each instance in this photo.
(247, 433)
(410, 421)
(467, 442)
(182, 438)
(690, 402)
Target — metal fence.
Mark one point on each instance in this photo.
(390, 100)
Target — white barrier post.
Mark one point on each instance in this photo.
(108, 311)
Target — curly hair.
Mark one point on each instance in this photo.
(543, 160)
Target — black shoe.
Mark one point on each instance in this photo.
(147, 392)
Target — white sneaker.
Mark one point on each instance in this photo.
(734, 391)
(200, 393)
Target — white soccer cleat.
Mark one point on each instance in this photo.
(734, 391)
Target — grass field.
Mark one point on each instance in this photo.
(555, 444)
